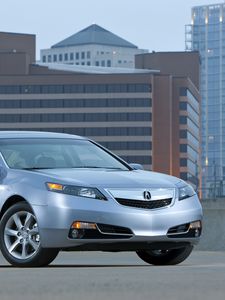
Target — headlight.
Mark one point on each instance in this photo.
(186, 192)
(78, 191)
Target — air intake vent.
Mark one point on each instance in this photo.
(110, 229)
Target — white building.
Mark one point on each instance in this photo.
(93, 46)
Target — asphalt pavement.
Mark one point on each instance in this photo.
(100, 275)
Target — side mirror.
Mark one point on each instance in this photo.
(136, 166)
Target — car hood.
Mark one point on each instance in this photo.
(107, 178)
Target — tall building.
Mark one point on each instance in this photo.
(144, 116)
(93, 46)
(176, 114)
(206, 34)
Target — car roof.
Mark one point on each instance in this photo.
(37, 134)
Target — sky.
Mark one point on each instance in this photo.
(157, 25)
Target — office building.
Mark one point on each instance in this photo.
(93, 46)
(143, 115)
(206, 34)
(177, 110)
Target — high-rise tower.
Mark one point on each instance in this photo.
(206, 34)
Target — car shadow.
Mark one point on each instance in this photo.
(96, 266)
(79, 266)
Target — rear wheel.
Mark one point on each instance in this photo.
(20, 240)
(165, 257)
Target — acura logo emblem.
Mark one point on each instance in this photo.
(147, 195)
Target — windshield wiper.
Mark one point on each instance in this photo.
(86, 167)
(36, 168)
(94, 167)
(74, 167)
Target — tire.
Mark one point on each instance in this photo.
(20, 240)
(165, 257)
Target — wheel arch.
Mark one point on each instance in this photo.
(10, 202)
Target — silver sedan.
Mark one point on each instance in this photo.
(64, 192)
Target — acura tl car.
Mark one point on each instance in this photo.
(61, 192)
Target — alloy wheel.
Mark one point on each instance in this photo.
(21, 235)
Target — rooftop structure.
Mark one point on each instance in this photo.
(94, 34)
(93, 46)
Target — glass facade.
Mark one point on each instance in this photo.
(207, 35)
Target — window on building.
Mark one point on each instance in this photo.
(30, 89)
(66, 56)
(108, 63)
(88, 54)
(71, 56)
(54, 57)
(49, 58)
(183, 120)
(97, 63)
(143, 160)
(51, 89)
(103, 63)
(82, 55)
(183, 162)
(44, 58)
(183, 105)
(183, 176)
(88, 63)
(30, 103)
(183, 91)
(183, 148)
(183, 134)
(127, 145)
(60, 57)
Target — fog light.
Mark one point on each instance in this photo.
(197, 232)
(77, 233)
(83, 225)
(195, 225)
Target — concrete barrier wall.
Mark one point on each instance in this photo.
(213, 236)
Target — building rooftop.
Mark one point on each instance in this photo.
(94, 34)
(210, 6)
(95, 70)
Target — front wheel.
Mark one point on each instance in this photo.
(20, 240)
(165, 257)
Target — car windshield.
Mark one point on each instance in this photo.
(35, 153)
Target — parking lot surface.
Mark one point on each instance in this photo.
(100, 275)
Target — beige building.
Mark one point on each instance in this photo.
(93, 46)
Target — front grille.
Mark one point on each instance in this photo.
(152, 204)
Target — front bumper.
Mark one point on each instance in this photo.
(148, 226)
